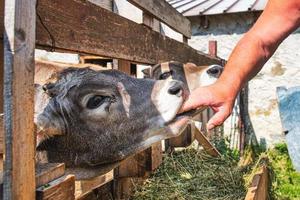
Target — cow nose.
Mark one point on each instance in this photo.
(176, 88)
(215, 71)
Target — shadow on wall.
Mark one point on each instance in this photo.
(225, 24)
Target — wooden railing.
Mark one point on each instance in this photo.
(81, 27)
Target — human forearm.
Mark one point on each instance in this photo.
(243, 65)
(258, 45)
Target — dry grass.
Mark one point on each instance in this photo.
(192, 174)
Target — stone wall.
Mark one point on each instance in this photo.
(283, 69)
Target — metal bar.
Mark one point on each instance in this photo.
(209, 7)
(229, 7)
(252, 5)
(194, 6)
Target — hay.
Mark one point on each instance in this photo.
(192, 174)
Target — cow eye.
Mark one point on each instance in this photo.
(96, 101)
(165, 75)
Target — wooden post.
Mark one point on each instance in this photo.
(19, 44)
(185, 39)
(212, 48)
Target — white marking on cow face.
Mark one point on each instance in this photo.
(168, 98)
(210, 75)
(125, 98)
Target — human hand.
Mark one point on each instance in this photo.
(216, 96)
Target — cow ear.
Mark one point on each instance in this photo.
(146, 72)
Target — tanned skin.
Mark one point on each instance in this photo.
(279, 19)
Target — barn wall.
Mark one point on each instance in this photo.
(282, 69)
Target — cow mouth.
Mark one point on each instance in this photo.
(188, 114)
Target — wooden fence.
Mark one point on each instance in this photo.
(76, 26)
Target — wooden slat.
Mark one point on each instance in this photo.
(19, 44)
(105, 192)
(259, 186)
(212, 48)
(1, 76)
(86, 28)
(83, 187)
(59, 189)
(185, 139)
(205, 143)
(48, 172)
(164, 12)
(156, 155)
(1, 134)
(151, 22)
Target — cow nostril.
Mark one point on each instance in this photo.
(175, 89)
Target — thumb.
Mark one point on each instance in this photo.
(217, 119)
(194, 101)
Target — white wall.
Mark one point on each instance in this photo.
(283, 69)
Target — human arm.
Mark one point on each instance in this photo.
(279, 19)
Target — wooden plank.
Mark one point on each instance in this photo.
(156, 155)
(212, 48)
(124, 66)
(289, 110)
(259, 186)
(185, 139)
(59, 189)
(124, 187)
(48, 172)
(107, 4)
(19, 44)
(89, 29)
(105, 192)
(1, 134)
(1, 76)
(164, 12)
(205, 143)
(83, 187)
(151, 22)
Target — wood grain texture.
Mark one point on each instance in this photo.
(205, 143)
(185, 139)
(156, 155)
(48, 172)
(59, 189)
(86, 186)
(259, 185)
(1, 134)
(19, 44)
(164, 12)
(87, 28)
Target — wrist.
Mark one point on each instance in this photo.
(229, 87)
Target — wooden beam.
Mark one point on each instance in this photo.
(185, 139)
(213, 48)
(59, 189)
(48, 172)
(205, 143)
(164, 12)
(83, 187)
(151, 22)
(19, 44)
(87, 28)
(259, 185)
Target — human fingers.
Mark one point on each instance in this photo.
(199, 97)
(218, 118)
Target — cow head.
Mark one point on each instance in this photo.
(193, 76)
(95, 119)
